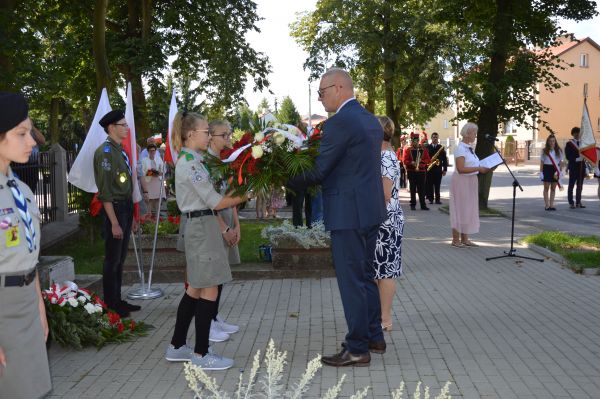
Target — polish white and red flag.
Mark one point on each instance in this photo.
(587, 141)
(130, 147)
(82, 171)
(170, 154)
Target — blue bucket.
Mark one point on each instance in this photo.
(264, 253)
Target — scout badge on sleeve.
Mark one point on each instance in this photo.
(122, 177)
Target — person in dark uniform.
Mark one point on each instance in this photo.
(415, 160)
(24, 371)
(112, 171)
(439, 169)
(576, 169)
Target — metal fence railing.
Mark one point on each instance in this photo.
(73, 193)
(39, 175)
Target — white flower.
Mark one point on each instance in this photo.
(257, 151)
(73, 302)
(82, 299)
(278, 138)
(90, 308)
(98, 308)
(259, 136)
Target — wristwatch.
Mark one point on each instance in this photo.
(226, 230)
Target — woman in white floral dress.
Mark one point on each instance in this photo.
(388, 252)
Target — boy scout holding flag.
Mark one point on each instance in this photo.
(112, 171)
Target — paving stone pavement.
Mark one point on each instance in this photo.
(498, 329)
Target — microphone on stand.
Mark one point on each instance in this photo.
(490, 137)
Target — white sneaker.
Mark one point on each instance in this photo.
(181, 354)
(211, 361)
(216, 334)
(226, 327)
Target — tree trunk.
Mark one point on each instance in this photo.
(7, 68)
(137, 28)
(488, 114)
(103, 75)
(53, 129)
(389, 63)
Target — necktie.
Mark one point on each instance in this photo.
(21, 204)
(126, 161)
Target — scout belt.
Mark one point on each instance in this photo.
(19, 281)
(203, 212)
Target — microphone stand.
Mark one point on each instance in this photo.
(512, 252)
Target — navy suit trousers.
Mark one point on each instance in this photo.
(576, 175)
(353, 254)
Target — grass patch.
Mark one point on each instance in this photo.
(580, 251)
(251, 238)
(483, 213)
(88, 256)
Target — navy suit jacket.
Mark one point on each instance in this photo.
(348, 168)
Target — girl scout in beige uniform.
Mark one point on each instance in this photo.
(24, 371)
(206, 256)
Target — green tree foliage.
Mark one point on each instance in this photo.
(498, 63)
(62, 52)
(263, 106)
(288, 112)
(394, 51)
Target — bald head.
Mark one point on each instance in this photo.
(335, 87)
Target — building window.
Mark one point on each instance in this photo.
(583, 60)
(445, 123)
(510, 127)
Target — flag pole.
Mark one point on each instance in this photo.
(143, 292)
(160, 196)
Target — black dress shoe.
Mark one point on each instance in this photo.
(580, 206)
(345, 359)
(424, 208)
(377, 346)
(130, 306)
(122, 311)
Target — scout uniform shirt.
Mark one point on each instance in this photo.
(112, 174)
(193, 183)
(15, 257)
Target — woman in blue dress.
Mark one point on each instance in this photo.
(388, 252)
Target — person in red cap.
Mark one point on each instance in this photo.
(415, 160)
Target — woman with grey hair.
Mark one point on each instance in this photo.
(464, 201)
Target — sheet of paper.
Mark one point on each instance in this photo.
(491, 161)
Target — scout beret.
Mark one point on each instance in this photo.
(14, 110)
(113, 116)
(414, 135)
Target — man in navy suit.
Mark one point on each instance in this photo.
(349, 169)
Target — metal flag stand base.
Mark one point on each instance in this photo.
(147, 292)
